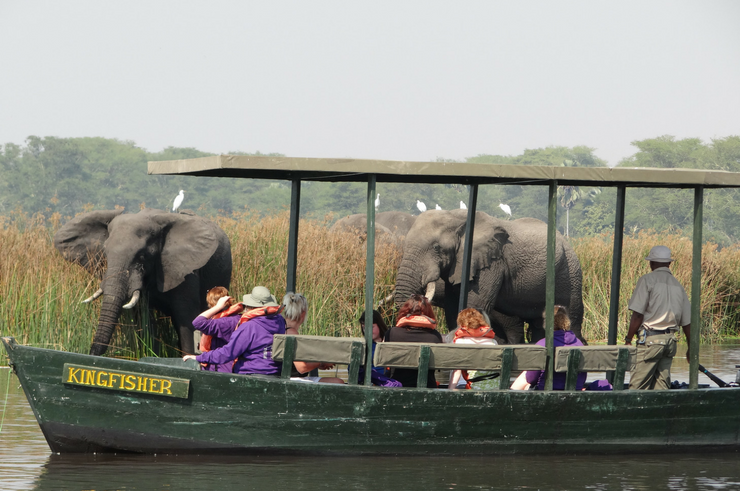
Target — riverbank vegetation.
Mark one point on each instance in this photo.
(67, 176)
(41, 292)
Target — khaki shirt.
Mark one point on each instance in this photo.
(661, 299)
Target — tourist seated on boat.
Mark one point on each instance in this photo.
(295, 309)
(562, 337)
(415, 324)
(250, 346)
(378, 375)
(472, 328)
(217, 335)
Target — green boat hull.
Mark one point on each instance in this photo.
(253, 414)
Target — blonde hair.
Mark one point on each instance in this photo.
(214, 294)
(471, 319)
(294, 305)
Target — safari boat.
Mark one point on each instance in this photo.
(96, 404)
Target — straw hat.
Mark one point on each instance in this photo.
(260, 297)
(660, 254)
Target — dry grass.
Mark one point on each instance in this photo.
(41, 292)
(720, 281)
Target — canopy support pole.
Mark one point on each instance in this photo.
(552, 214)
(370, 276)
(295, 211)
(616, 273)
(696, 289)
(468, 248)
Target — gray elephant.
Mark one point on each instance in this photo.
(507, 273)
(174, 258)
(395, 223)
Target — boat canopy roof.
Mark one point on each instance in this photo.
(357, 170)
(473, 175)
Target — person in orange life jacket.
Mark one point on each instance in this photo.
(562, 337)
(251, 342)
(472, 329)
(295, 308)
(415, 324)
(216, 336)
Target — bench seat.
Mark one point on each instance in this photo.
(576, 359)
(428, 356)
(344, 351)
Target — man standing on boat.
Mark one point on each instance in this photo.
(659, 306)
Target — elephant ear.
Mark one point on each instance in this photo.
(81, 239)
(488, 246)
(189, 243)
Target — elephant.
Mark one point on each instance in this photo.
(507, 271)
(394, 223)
(174, 258)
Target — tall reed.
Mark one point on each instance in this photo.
(719, 281)
(40, 292)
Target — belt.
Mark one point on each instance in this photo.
(654, 332)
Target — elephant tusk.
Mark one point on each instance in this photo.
(94, 296)
(134, 299)
(387, 299)
(430, 290)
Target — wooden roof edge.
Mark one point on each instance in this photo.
(332, 169)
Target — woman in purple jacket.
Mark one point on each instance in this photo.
(562, 337)
(250, 345)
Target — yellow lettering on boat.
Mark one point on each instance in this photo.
(73, 375)
(112, 379)
(130, 382)
(166, 384)
(103, 383)
(134, 382)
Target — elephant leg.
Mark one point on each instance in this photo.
(536, 329)
(508, 328)
(451, 306)
(185, 303)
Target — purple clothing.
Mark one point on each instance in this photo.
(562, 338)
(221, 329)
(250, 345)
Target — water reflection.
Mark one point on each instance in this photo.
(720, 471)
(26, 463)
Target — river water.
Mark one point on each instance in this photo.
(27, 463)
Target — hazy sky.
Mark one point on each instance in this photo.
(397, 80)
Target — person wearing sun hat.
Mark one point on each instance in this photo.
(659, 307)
(250, 346)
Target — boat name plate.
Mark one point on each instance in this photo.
(125, 381)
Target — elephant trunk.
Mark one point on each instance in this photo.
(114, 288)
(413, 277)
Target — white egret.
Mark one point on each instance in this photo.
(421, 206)
(506, 208)
(377, 202)
(463, 206)
(178, 200)
(437, 207)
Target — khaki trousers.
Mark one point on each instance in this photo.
(653, 364)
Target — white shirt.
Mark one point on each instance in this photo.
(662, 301)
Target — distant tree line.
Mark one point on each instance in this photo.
(66, 176)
